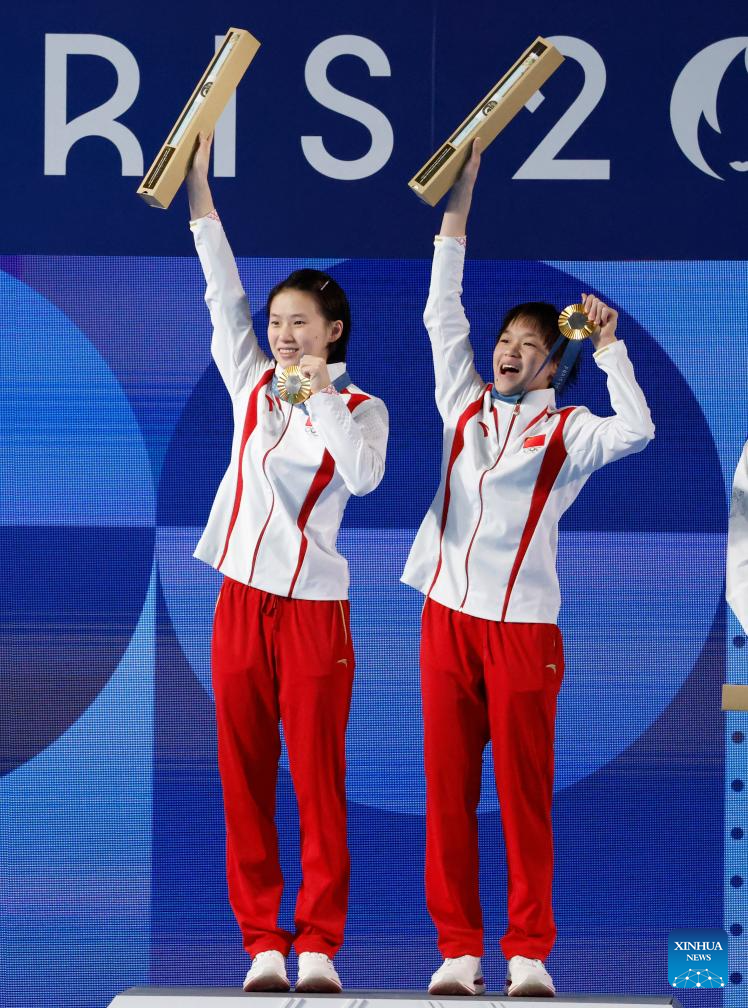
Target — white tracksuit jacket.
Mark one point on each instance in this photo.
(737, 543)
(275, 519)
(487, 545)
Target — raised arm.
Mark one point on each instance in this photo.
(457, 381)
(593, 441)
(234, 345)
(737, 543)
(198, 189)
(454, 221)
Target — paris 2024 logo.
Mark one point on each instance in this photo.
(695, 96)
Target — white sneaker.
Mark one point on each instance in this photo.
(528, 978)
(458, 976)
(267, 973)
(317, 975)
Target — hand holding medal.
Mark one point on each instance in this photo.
(315, 369)
(590, 318)
(603, 318)
(299, 381)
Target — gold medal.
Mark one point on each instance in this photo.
(574, 324)
(293, 386)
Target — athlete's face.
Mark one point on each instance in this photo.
(297, 327)
(517, 356)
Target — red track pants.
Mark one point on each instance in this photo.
(291, 660)
(486, 680)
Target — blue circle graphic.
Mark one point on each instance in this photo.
(639, 561)
(76, 522)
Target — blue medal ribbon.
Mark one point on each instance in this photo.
(566, 364)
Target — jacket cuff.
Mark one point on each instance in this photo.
(611, 352)
(210, 215)
(450, 240)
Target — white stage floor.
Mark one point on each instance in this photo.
(215, 997)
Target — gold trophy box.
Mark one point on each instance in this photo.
(488, 119)
(200, 114)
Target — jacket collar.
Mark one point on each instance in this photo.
(334, 370)
(536, 400)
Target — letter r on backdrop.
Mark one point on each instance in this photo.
(59, 134)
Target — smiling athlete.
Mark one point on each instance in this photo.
(484, 557)
(281, 646)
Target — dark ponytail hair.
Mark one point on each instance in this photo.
(331, 301)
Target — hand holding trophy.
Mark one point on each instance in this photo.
(199, 115)
(198, 188)
(487, 120)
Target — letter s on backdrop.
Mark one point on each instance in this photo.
(375, 121)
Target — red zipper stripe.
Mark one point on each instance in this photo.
(458, 444)
(272, 492)
(553, 459)
(515, 414)
(250, 422)
(321, 479)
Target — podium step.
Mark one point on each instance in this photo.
(216, 997)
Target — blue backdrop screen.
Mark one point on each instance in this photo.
(119, 432)
(116, 430)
